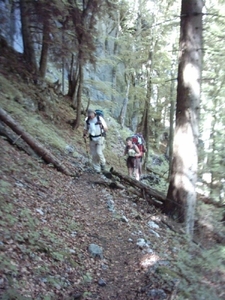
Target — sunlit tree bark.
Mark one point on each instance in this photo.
(181, 196)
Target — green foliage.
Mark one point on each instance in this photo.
(5, 187)
(196, 270)
(13, 294)
(87, 278)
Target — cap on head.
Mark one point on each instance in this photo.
(90, 111)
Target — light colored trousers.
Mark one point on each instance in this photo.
(96, 151)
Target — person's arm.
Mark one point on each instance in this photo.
(103, 123)
(125, 151)
(138, 152)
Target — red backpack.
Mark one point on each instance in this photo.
(138, 140)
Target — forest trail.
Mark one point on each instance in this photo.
(54, 219)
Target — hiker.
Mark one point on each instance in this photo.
(133, 159)
(95, 127)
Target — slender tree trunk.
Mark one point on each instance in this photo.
(78, 96)
(29, 53)
(12, 25)
(71, 77)
(44, 49)
(181, 196)
(63, 59)
(146, 122)
(115, 51)
(123, 111)
(171, 133)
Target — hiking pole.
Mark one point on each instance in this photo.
(88, 156)
(85, 141)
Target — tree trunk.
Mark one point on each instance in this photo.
(123, 111)
(44, 49)
(181, 196)
(12, 25)
(145, 122)
(78, 97)
(72, 78)
(35, 145)
(29, 53)
(171, 134)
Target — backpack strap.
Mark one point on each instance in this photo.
(97, 123)
(103, 133)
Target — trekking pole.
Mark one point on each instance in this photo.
(85, 141)
(87, 152)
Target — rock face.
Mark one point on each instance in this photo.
(11, 25)
(100, 81)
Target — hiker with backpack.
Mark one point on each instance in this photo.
(95, 127)
(133, 159)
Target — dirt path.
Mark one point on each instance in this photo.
(53, 220)
(49, 220)
(120, 268)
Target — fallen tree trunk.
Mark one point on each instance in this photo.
(34, 144)
(146, 191)
(14, 139)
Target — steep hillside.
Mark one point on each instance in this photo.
(65, 237)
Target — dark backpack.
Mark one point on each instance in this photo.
(138, 140)
(99, 113)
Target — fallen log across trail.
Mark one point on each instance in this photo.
(152, 196)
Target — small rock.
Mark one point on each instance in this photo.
(150, 251)
(124, 219)
(19, 184)
(152, 224)
(40, 211)
(155, 233)
(69, 149)
(104, 267)
(142, 243)
(158, 294)
(72, 251)
(110, 205)
(101, 282)
(95, 251)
